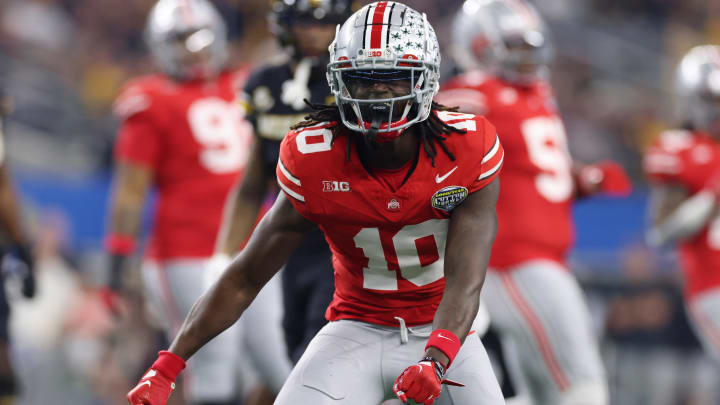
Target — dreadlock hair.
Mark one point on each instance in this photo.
(432, 131)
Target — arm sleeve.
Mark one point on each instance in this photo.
(139, 140)
(492, 156)
(663, 166)
(289, 176)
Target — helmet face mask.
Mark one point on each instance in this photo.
(507, 38)
(384, 76)
(698, 89)
(187, 38)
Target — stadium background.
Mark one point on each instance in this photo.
(63, 62)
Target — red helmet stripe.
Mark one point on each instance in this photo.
(379, 24)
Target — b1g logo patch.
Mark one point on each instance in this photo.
(447, 198)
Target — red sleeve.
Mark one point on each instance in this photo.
(139, 140)
(289, 176)
(665, 160)
(492, 155)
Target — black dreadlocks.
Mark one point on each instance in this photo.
(431, 131)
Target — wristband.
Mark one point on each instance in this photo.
(119, 244)
(168, 363)
(446, 342)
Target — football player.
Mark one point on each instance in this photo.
(405, 192)
(273, 99)
(684, 169)
(181, 132)
(534, 301)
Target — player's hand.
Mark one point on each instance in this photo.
(19, 263)
(605, 177)
(422, 382)
(158, 382)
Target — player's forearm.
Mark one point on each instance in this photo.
(215, 311)
(459, 305)
(130, 187)
(457, 310)
(125, 217)
(685, 221)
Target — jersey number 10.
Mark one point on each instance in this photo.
(419, 250)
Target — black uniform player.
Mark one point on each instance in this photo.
(273, 99)
(16, 261)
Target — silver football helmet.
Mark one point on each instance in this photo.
(187, 38)
(505, 37)
(697, 83)
(384, 43)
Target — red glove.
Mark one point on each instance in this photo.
(605, 177)
(158, 382)
(422, 382)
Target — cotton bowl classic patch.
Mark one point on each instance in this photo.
(447, 198)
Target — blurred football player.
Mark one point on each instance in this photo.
(273, 98)
(17, 261)
(182, 134)
(684, 169)
(534, 301)
(408, 209)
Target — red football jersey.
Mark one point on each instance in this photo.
(688, 159)
(537, 188)
(388, 246)
(192, 136)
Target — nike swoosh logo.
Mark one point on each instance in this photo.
(440, 179)
(150, 374)
(440, 335)
(149, 384)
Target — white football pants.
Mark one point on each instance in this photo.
(539, 311)
(356, 363)
(704, 310)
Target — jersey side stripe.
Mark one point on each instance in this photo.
(291, 193)
(494, 169)
(287, 173)
(492, 151)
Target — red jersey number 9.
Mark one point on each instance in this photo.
(222, 134)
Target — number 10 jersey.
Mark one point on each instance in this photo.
(388, 244)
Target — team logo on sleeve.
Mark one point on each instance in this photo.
(447, 198)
